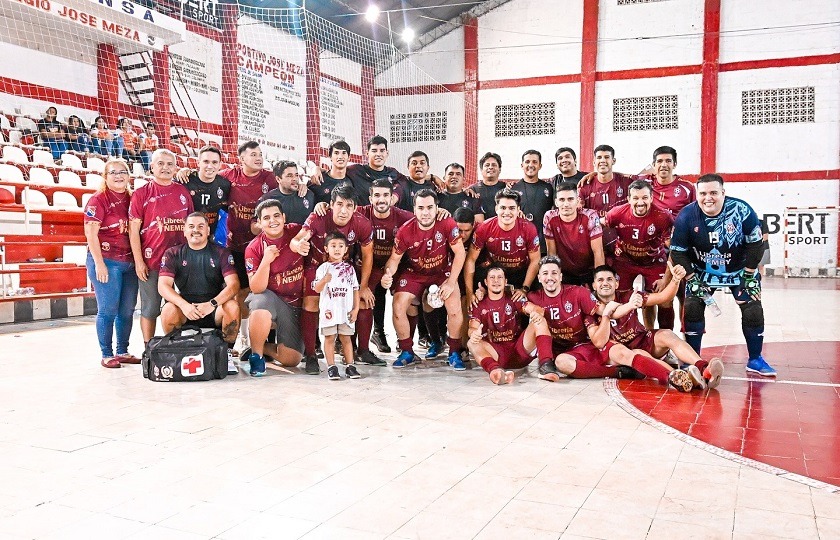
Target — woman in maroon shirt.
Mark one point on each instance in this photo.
(110, 265)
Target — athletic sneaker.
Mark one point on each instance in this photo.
(681, 380)
(424, 342)
(379, 339)
(319, 352)
(352, 373)
(548, 372)
(312, 367)
(627, 372)
(405, 358)
(257, 365)
(697, 377)
(456, 362)
(714, 372)
(760, 366)
(332, 373)
(368, 358)
(435, 348)
(232, 369)
(671, 359)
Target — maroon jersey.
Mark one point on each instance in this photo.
(672, 197)
(641, 240)
(508, 249)
(428, 251)
(384, 231)
(285, 276)
(604, 197)
(573, 240)
(110, 210)
(245, 191)
(566, 313)
(500, 318)
(358, 231)
(627, 329)
(162, 211)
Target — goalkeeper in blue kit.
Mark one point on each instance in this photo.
(718, 241)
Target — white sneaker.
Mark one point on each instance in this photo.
(232, 367)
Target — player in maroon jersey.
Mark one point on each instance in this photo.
(641, 249)
(497, 339)
(637, 340)
(603, 189)
(435, 256)
(342, 217)
(508, 241)
(574, 235)
(385, 219)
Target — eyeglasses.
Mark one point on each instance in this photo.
(117, 173)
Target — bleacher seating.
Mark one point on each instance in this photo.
(11, 173)
(65, 201)
(85, 198)
(72, 161)
(43, 157)
(41, 176)
(69, 178)
(34, 199)
(94, 181)
(15, 154)
(95, 164)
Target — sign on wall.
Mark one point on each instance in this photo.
(196, 76)
(207, 12)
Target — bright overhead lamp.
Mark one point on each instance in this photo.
(372, 13)
(407, 35)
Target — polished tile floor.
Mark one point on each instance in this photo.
(422, 453)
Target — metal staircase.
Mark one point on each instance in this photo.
(137, 78)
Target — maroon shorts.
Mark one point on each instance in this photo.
(416, 284)
(309, 280)
(512, 354)
(375, 277)
(643, 342)
(627, 272)
(587, 352)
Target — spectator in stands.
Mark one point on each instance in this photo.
(109, 263)
(130, 140)
(148, 144)
(78, 138)
(103, 139)
(157, 213)
(53, 133)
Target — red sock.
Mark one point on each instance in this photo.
(650, 367)
(488, 364)
(454, 345)
(406, 345)
(364, 325)
(309, 329)
(701, 365)
(665, 316)
(544, 350)
(412, 326)
(592, 370)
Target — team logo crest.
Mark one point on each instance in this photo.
(677, 191)
(438, 237)
(580, 229)
(163, 260)
(456, 232)
(166, 372)
(212, 263)
(184, 262)
(91, 211)
(147, 253)
(508, 309)
(351, 236)
(465, 204)
(730, 228)
(619, 192)
(249, 265)
(192, 193)
(328, 314)
(183, 199)
(220, 193)
(265, 188)
(230, 259)
(106, 246)
(567, 306)
(403, 282)
(547, 193)
(306, 203)
(651, 230)
(520, 241)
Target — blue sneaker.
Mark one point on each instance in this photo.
(406, 358)
(760, 366)
(456, 362)
(434, 350)
(257, 365)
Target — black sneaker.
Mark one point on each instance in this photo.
(332, 373)
(627, 372)
(352, 373)
(312, 367)
(548, 372)
(319, 352)
(379, 339)
(368, 358)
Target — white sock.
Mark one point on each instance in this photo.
(244, 338)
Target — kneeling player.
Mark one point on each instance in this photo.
(638, 341)
(505, 344)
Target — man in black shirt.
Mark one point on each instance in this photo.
(418, 179)
(362, 176)
(491, 167)
(454, 197)
(339, 153)
(567, 165)
(209, 191)
(296, 208)
(537, 195)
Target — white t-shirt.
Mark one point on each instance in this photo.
(337, 297)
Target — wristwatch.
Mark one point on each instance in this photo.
(525, 288)
(214, 303)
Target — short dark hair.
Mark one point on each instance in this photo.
(335, 235)
(551, 259)
(493, 266)
(250, 145)
(426, 193)
(604, 268)
(418, 153)
(209, 148)
(344, 191)
(377, 139)
(604, 148)
(490, 155)
(464, 215)
(199, 214)
(564, 149)
(640, 184)
(382, 183)
(268, 203)
(281, 166)
(150, 124)
(665, 150)
(566, 186)
(532, 152)
(508, 193)
(711, 177)
(454, 166)
(338, 145)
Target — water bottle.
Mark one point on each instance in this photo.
(709, 300)
(433, 297)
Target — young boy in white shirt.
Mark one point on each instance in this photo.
(336, 282)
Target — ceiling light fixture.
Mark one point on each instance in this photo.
(372, 13)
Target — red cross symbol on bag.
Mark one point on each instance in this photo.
(192, 366)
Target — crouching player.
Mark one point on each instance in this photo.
(637, 347)
(497, 340)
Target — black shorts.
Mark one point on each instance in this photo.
(239, 264)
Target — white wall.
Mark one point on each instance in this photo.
(340, 68)
(200, 71)
(530, 38)
(634, 149)
(779, 147)
(440, 62)
(78, 76)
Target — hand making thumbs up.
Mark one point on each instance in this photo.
(387, 279)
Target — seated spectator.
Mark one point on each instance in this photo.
(130, 140)
(103, 140)
(52, 133)
(78, 139)
(207, 284)
(148, 145)
(109, 263)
